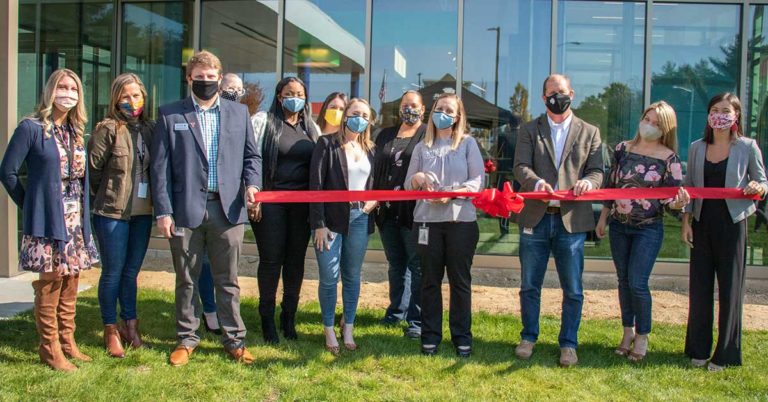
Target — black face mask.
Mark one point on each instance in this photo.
(205, 90)
(558, 103)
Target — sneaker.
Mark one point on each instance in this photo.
(698, 363)
(412, 332)
(568, 357)
(525, 349)
(389, 321)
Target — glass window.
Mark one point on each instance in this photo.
(413, 47)
(756, 109)
(499, 97)
(243, 33)
(600, 46)
(77, 36)
(156, 44)
(325, 46)
(695, 55)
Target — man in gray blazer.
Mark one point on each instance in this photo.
(557, 151)
(205, 168)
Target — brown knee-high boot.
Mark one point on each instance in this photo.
(47, 292)
(67, 307)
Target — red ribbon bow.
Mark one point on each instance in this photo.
(499, 204)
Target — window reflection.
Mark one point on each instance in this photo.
(156, 45)
(695, 56)
(325, 46)
(413, 47)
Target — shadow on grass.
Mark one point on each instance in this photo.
(18, 339)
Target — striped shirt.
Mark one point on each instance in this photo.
(210, 127)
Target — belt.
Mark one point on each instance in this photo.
(356, 204)
(553, 210)
(213, 197)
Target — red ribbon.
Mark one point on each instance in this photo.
(500, 203)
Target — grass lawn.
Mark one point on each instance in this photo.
(386, 367)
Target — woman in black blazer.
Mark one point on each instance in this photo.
(342, 161)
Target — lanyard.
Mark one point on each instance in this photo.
(69, 151)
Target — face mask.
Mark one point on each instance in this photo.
(65, 100)
(205, 90)
(442, 120)
(232, 94)
(293, 105)
(132, 110)
(558, 103)
(649, 131)
(357, 124)
(333, 116)
(409, 115)
(721, 120)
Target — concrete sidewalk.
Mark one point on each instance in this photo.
(16, 294)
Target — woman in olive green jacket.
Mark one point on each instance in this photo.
(118, 157)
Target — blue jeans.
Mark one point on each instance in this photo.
(345, 260)
(404, 273)
(122, 245)
(205, 286)
(550, 236)
(634, 250)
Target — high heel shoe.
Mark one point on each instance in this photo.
(635, 356)
(334, 349)
(349, 346)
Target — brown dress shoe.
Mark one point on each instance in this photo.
(524, 350)
(112, 341)
(180, 355)
(129, 333)
(47, 292)
(568, 357)
(66, 316)
(241, 355)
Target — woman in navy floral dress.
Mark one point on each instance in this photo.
(636, 226)
(56, 242)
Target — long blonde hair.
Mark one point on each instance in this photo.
(120, 82)
(667, 120)
(459, 126)
(364, 139)
(77, 116)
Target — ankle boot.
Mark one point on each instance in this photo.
(67, 308)
(129, 333)
(112, 341)
(268, 329)
(288, 325)
(47, 293)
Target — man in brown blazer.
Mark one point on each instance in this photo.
(557, 151)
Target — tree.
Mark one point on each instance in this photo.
(518, 102)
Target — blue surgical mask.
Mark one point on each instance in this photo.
(293, 105)
(357, 124)
(442, 120)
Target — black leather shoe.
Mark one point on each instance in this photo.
(216, 331)
(463, 352)
(429, 351)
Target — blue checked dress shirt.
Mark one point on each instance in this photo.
(210, 127)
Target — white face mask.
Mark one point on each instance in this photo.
(649, 132)
(65, 100)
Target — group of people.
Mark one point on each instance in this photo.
(196, 171)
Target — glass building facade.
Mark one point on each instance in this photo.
(620, 55)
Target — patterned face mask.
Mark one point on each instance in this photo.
(232, 94)
(409, 115)
(721, 120)
(132, 109)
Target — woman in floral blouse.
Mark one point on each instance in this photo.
(636, 226)
(57, 240)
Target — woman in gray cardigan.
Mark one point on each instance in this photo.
(718, 234)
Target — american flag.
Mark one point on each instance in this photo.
(383, 89)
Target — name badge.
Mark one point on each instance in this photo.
(71, 206)
(424, 236)
(143, 190)
(181, 127)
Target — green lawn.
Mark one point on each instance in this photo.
(386, 367)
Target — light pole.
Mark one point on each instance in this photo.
(690, 112)
(496, 75)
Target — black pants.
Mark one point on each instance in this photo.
(718, 252)
(282, 237)
(451, 247)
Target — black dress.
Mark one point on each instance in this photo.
(719, 250)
